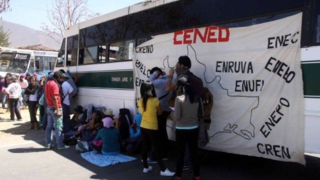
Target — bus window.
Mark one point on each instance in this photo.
(72, 50)
(61, 58)
(316, 33)
(90, 55)
(103, 54)
(121, 51)
(141, 40)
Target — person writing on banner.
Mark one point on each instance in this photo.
(150, 108)
(182, 69)
(53, 93)
(159, 81)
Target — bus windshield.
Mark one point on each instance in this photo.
(14, 62)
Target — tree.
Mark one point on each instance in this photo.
(4, 5)
(4, 37)
(64, 14)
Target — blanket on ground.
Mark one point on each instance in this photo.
(105, 160)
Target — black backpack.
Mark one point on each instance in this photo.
(125, 123)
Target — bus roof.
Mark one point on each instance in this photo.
(73, 30)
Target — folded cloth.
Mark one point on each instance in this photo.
(105, 160)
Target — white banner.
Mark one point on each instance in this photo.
(254, 76)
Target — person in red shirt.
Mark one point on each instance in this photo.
(53, 93)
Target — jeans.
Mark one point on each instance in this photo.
(52, 119)
(14, 108)
(3, 100)
(66, 118)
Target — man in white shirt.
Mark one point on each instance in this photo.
(67, 91)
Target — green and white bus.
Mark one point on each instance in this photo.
(99, 52)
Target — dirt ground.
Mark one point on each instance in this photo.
(8, 127)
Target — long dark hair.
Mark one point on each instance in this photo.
(184, 87)
(98, 117)
(146, 91)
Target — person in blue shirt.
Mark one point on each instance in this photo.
(159, 80)
(134, 143)
(110, 137)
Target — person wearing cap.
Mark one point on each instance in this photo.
(14, 92)
(159, 81)
(110, 137)
(54, 111)
(67, 90)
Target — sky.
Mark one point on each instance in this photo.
(33, 13)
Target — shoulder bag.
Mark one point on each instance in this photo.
(203, 137)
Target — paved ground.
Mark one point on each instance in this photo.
(23, 157)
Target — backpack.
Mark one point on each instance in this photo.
(195, 82)
(125, 120)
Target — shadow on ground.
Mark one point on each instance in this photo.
(214, 165)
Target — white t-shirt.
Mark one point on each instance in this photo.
(66, 89)
(14, 90)
(33, 97)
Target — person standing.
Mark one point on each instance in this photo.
(66, 90)
(5, 98)
(54, 111)
(3, 92)
(24, 84)
(187, 125)
(159, 81)
(32, 92)
(14, 92)
(150, 108)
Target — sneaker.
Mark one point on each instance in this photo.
(145, 170)
(48, 147)
(166, 173)
(196, 178)
(64, 147)
(150, 161)
(19, 119)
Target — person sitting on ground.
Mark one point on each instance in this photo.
(87, 132)
(134, 143)
(110, 137)
(79, 117)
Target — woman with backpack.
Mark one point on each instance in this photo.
(150, 108)
(187, 125)
(32, 93)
